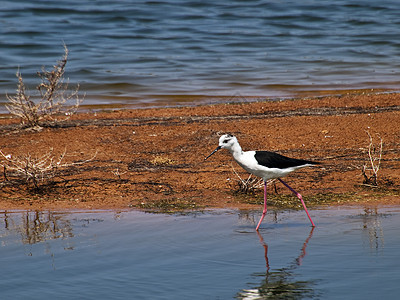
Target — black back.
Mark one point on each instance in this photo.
(275, 160)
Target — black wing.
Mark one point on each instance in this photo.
(275, 160)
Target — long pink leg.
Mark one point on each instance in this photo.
(301, 199)
(265, 205)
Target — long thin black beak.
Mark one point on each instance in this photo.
(216, 149)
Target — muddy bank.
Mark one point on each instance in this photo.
(154, 158)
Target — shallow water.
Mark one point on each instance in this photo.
(352, 254)
(159, 52)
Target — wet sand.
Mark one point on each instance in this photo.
(154, 158)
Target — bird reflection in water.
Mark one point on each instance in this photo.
(281, 283)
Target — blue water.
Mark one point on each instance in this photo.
(351, 254)
(140, 53)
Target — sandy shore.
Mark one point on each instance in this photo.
(154, 158)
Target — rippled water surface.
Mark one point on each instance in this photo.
(160, 52)
(351, 254)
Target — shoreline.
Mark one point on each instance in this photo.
(152, 159)
(200, 100)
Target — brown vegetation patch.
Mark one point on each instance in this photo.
(155, 157)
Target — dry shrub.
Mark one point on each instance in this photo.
(53, 95)
(36, 170)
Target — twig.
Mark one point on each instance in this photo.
(374, 158)
(249, 185)
(118, 173)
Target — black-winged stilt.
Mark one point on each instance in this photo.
(264, 164)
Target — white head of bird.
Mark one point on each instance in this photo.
(229, 142)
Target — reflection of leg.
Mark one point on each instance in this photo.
(303, 249)
(265, 249)
(265, 205)
(301, 199)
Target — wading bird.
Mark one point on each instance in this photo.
(264, 164)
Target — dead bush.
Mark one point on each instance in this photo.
(53, 98)
(36, 170)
